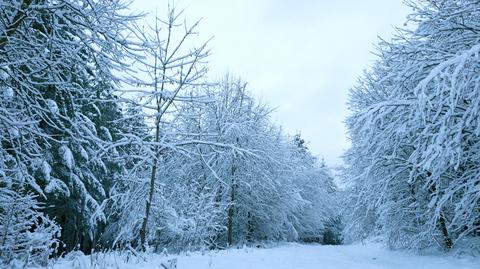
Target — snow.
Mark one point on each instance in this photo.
(52, 106)
(67, 156)
(84, 153)
(13, 132)
(288, 256)
(46, 170)
(57, 187)
(107, 134)
(3, 74)
(8, 93)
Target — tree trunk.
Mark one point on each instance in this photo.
(231, 209)
(143, 230)
(443, 228)
(250, 227)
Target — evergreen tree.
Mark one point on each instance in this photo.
(56, 60)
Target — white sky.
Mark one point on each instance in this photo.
(299, 56)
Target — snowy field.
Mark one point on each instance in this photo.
(290, 256)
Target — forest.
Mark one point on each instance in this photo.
(113, 137)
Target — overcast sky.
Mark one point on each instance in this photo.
(300, 57)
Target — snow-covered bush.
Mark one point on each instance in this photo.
(27, 236)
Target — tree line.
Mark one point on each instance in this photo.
(111, 136)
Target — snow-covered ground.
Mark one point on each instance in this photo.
(289, 256)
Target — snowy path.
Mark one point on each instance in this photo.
(293, 256)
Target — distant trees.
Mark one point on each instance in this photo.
(262, 184)
(228, 176)
(414, 128)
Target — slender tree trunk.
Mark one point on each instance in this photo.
(163, 63)
(443, 228)
(143, 230)
(153, 175)
(231, 209)
(250, 227)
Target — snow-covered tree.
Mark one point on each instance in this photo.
(171, 63)
(226, 176)
(318, 219)
(164, 159)
(259, 179)
(57, 60)
(414, 128)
